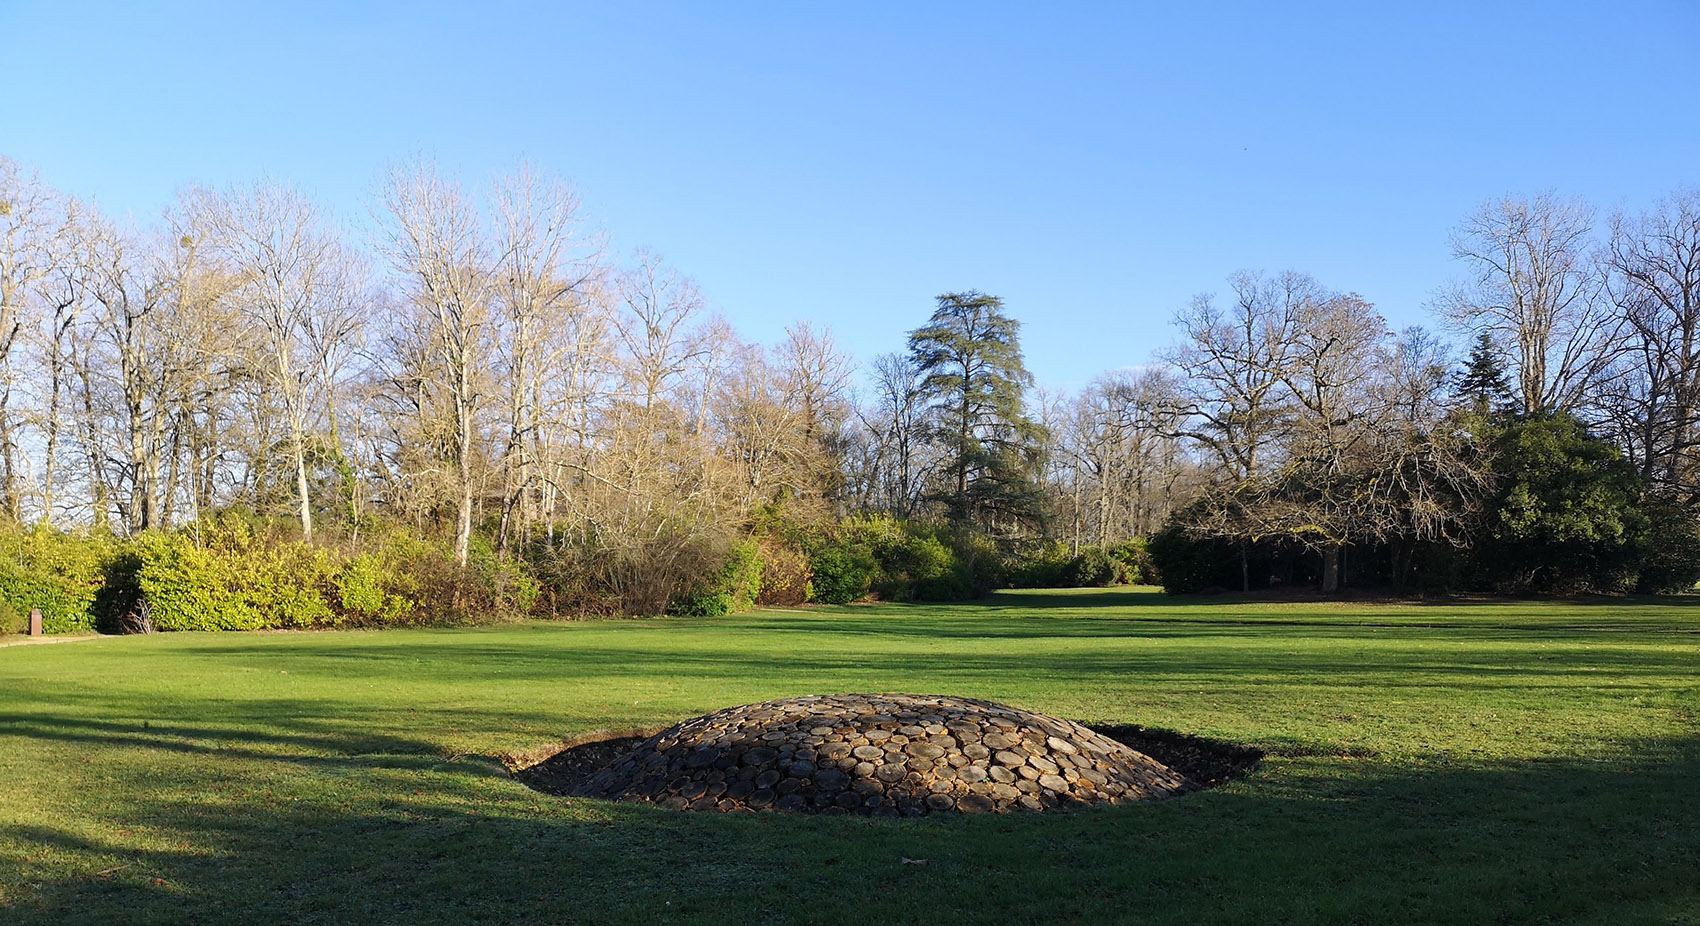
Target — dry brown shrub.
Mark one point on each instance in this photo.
(785, 574)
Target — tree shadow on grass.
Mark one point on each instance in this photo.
(1113, 613)
(1316, 840)
(1150, 597)
(918, 649)
(331, 742)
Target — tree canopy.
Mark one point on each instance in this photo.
(973, 381)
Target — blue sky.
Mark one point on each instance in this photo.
(1094, 164)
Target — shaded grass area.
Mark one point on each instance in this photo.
(1520, 762)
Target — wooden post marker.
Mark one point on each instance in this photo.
(35, 622)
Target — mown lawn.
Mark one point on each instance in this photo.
(1471, 763)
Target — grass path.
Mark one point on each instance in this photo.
(20, 640)
(1429, 763)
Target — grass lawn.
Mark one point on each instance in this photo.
(1471, 763)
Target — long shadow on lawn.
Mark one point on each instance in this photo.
(829, 655)
(1309, 841)
(332, 742)
(1085, 619)
(1038, 599)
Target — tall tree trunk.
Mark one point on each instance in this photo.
(298, 446)
(1331, 568)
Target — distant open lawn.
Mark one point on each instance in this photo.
(1471, 763)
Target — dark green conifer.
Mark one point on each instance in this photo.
(973, 379)
(1483, 386)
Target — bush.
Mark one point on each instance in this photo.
(980, 565)
(898, 560)
(914, 567)
(731, 590)
(1189, 564)
(1042, 568)
(237, 577)
(57, 572)
(365, 592)
(233, 583)
(907, 561)
(841, 574)
(1135, 557)
(1566, 514)
(1668, 551)
(1055, 567)
(785, 573)
(1094, 567)
(10, 620)
(494, 587)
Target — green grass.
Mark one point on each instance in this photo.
(1518, 762)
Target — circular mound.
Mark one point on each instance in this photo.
(884, 755)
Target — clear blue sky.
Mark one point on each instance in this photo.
(1093, 164)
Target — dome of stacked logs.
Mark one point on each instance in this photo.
(882, 755)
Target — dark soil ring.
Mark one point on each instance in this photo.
(887, 755)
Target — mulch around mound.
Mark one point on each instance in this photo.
(886, 755)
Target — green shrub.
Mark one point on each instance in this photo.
(1668, 551)
(186, 587)
(232, 580)
(1094, 567)
(1189, 564)
(1567, 512)
(57, 572)
(841, 574)
(1040, 567)
(1054, 566)
(733, 589)
(10, 620)
(364, 589)
(494, 587)
(898, 560)
(982, 566)
(1135, 557)
(912, 567)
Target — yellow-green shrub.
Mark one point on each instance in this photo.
(57, 572)
(233, 580)
(364, 591)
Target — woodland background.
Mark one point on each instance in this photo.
(243, 415)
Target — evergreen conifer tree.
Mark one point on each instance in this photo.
(1483, 386)
(969, 355)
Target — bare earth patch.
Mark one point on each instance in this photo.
(21, 640)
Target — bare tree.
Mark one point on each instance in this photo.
(1653, 406)
(1335, 348)
(155, 333)
(814, 378)
(1129, 468)
(1231, 365)
(901, 463)
(297, 290)
(436, 243)
(64, 299)
(1535, 289)
(545, 266)
(27, 245)
(1425, 476)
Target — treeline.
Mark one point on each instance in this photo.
(1558, 456)
(241, 415)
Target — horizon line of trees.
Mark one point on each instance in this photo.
(484, 375)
